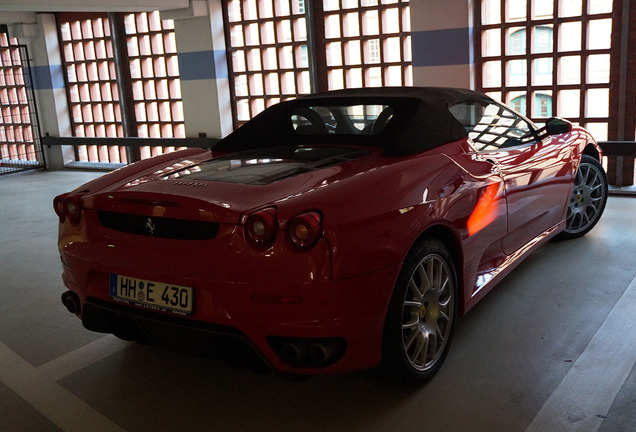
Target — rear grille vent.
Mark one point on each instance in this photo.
(159, 227)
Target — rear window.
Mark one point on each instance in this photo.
(341, 119)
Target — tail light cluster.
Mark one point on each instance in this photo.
(262, 226)
(303, 230)
(68, 206)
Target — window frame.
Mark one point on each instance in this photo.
(532, 90)
(270, 82)
(320, 68)
(20, 146)
(118, 111)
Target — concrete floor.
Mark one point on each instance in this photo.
(552, 348)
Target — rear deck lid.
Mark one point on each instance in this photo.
(222, 188)
(268, 165)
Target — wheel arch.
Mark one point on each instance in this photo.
(450, 238)
(394, 359)
(591, 150)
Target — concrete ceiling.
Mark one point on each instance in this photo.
(24, 11)
(88, 5)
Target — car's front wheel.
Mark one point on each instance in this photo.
(421, 315)
(587, 202)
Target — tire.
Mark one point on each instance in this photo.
(421, 315)
(587, 202)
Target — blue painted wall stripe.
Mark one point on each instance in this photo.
(47, 77)
(200, 65)
(220, 60)
(441, 47)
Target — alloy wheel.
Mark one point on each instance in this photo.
(588, 198)
(428, 312)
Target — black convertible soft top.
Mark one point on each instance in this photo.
(421, 120)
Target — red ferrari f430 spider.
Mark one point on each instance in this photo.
(335, 232)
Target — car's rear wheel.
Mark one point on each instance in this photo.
(421, 315)
(587, 202)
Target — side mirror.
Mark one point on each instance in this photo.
(556, 126)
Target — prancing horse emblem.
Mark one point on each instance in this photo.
(150, 227)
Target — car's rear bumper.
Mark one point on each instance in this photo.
(344, 317)
(193, 337)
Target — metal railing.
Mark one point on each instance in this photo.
(620, 162)
(20, 146)
(620, 154)
(132, 146)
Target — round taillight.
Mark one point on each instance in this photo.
(73, 209)
(58, 206)
(305, 229)
(262, 226)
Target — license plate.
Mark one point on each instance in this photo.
(153, 295)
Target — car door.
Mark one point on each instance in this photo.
(536, 170)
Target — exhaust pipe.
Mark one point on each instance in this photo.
(293, 353)
(319, 353)
(72, 302)
(299, 352)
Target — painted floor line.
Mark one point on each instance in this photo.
(587, 392)
(82, 357)
(61, 407)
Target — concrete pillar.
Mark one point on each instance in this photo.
(442, 43)
(203, 68)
